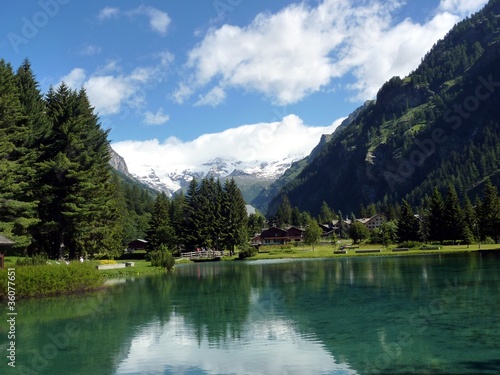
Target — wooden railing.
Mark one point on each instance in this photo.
(203, 254)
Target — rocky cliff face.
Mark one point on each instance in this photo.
(118, 163)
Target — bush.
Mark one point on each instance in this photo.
(162, 258)
(35, 260)
(247, 251)
(411, 244)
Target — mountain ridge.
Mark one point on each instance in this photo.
(385, 155)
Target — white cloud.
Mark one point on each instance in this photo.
(109, 89)
(74, 79)
(461, 7)
(248, 143)
(89, 50)
(158, 118)
(159, 21)
(302, 49)
(213, 98)
(108, 12)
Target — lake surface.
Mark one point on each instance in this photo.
(369, 315)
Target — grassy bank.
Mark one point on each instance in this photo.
(41, 281)
(327, 251)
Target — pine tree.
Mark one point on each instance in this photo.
(160, 232)
(488, 213)
(192, 221)
(453, 218)
(17, 202)
(434, 217)
(284, 213)
(235, 216)
(79, 211)
(408, 226)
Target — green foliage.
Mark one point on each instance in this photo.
(163, 258)
(312, 234)
(411, 244)
(247, 251)
(35, 260)
(49, 280)
(358, 232)
(408, 226)
(389, 149)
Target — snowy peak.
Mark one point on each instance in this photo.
(169, 181)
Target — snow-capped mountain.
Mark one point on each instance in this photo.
(255, 155)
(161, 178)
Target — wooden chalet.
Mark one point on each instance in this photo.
(137, 244)
(277, 236)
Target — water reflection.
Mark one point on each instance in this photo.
(271, 347)
(411, 315)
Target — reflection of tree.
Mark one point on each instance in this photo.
(359, 309)
(215, 302)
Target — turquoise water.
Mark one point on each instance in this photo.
(370, 315)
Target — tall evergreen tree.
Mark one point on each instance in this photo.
(17, 202)
(160, 231)
(488, 213)
(79, 211)
(453, 218)
(434, 218)
(284, 213)
(235, 216)
(408, 226)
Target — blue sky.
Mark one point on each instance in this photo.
(168, 72)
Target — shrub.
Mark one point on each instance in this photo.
(411, 244)
(35, 260)
(162, 258)
(247, 251)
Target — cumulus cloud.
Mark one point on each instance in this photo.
(213, 98)
(159, 21)
(89, 50)
(109, 89)
(461, 7)
(75, 78)
(302, 49)
(248, 143)
(108, 12)
(158, 118)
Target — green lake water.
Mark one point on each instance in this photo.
(367, 315)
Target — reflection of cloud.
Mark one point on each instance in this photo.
(248, 143)
(174, 348)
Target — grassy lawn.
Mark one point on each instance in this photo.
(326, 251)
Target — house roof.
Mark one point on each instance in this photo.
(5, 241)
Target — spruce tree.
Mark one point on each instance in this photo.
(408, 226)
(79, 210)
(235, 216)
(17, 174)
(434, 218)
(488, 213)
(453, 218)
(160, 232)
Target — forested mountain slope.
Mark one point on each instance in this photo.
(437, 126)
